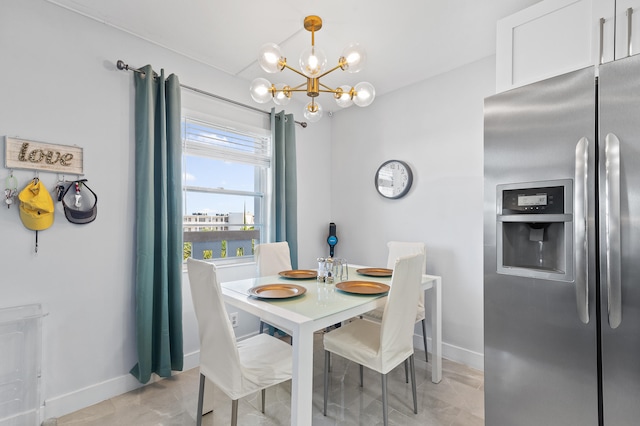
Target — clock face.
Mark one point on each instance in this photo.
(393, 179)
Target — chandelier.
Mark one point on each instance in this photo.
(313, 64)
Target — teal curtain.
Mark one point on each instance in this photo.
(158, 225)
(285, 211)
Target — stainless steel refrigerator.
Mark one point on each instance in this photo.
(562, 250)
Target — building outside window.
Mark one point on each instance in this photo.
(225, 180)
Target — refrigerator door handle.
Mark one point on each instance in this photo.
(612, 230)
(629, 28)
(601, 48)
(581, 243)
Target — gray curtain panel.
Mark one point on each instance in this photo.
(158, 225)
(285, 212)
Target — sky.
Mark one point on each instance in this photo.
(212, 173)
(209, 165)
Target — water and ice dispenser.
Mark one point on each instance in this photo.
(535, 230)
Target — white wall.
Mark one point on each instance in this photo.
(59, 85)
(437, 127)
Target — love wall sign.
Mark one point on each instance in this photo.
(25, 154)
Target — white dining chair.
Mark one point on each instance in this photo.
(382, 346)
(396, 250)
(272, 258)
(236, 368)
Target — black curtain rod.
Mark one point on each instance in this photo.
(125, 67)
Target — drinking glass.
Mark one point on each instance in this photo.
(340, 269)
(323, 270)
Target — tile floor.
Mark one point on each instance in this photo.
(458, 400)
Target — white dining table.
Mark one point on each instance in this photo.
(319, 307)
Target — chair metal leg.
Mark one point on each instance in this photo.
(200, 400)
(326, 380)
(406, 371)
(264, 398)
(385, 414)
(234, 412)
(272, 330)
(413, 384)
(361, 376)
(424, 338)
(329, 355)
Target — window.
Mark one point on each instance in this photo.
(225, 178)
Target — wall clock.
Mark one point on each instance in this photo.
(393, 179)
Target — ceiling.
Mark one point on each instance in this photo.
(405, 43)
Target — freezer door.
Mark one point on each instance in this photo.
(540, 347)
(619, 194)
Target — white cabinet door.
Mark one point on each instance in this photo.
(549, 38)
(557, 36)
(627, 28)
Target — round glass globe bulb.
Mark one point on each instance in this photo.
(343, 96)
(355, 57)
(270, 55)
(365, 94)
(313, 61)
(282, 95)
(313, 111)
(261, 90)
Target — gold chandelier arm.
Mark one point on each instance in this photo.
(295, 70)
(330, 71)
(329, 89)
(290, 89)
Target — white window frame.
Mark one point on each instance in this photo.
(215, 149)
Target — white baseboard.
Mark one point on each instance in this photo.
(454, 353)
(68, 403)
